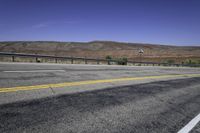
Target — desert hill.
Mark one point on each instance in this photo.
(100, 49)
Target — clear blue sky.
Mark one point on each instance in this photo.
(175, 22)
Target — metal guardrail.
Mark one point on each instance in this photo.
(36, 56)
(109, 61)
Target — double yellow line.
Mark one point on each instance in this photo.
(89, 82)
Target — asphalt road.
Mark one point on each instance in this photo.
(196, 129)
(145, 105)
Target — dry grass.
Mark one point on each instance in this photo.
(100, 49)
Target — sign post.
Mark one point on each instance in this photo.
(141, 51)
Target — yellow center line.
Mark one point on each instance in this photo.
(78, 83)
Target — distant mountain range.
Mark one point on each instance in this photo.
(101, 49)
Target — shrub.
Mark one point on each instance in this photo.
(190, 62)
(122, 61)
(108, 57)
(170, 61)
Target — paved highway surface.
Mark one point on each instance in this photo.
(86, 98)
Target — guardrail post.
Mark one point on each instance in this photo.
(36, 59)
(13, 58)
(72, 60)
(108, 62)
(85, 60)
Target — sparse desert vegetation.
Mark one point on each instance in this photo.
(107, 49)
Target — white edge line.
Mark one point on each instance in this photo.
(34, 71)
(187, 128)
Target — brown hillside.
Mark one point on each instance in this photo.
(100, 49)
